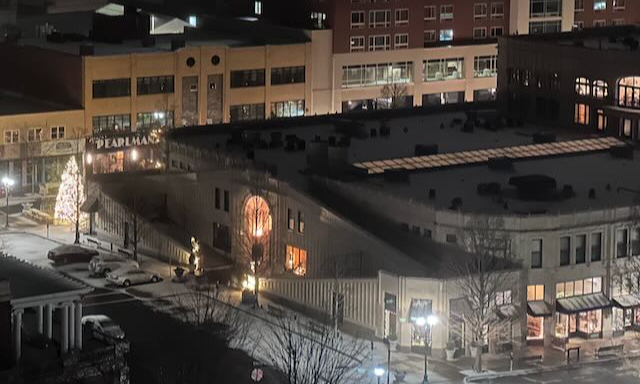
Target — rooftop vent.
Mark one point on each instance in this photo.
(592, 193)
(544, 137)
(500, 163)
(622, 151)
(456, 203)
(567, 191)
(534, 187)
(385, 130)
(432, 194)
(426, 149)
(396, 175)
(373, 132)
(487, 189)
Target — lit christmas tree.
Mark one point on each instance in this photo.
(70, 194)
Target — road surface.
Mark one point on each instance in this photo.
(614, 373)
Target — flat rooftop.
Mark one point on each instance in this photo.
(15, 104)
(591, 168)
(617, 38)
(28, 281)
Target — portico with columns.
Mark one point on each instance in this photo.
(43, 292)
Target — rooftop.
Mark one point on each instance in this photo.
(28, 281)
(15, 104)
(617, 38)
(483, 186)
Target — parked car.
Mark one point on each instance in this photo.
(103, 328)
(102, 265)
(127, 276)
(71, 253)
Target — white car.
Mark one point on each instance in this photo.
(127, 276)
(103, 328)
(102, 265)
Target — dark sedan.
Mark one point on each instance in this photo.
(65, 254)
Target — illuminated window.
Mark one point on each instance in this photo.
(579, 287)
(446, 12)
(602, 120)
(257, 216)
(296, 260)
(600, 5)
(257, 7)
(535, 292)
(600, 89)
(581, 114)
(629, 92)
(446, 35)
(535, 328)
(583, 86)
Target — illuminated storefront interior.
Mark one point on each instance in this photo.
(296, 261)
(579, 308)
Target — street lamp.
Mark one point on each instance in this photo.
(8, 183)
(431, 321)
(379, 372)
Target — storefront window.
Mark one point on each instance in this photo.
(562, 325)
(535, 328)
(590, 321)
(418, 335)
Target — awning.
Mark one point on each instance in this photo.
(507, 311)
(582, 303)
(90, 205)
(419, 308)
(539, 308)
(627, 301)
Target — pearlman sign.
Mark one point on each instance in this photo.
(125, 142)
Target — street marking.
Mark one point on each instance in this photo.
(110, 302)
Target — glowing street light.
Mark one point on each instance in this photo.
(431, 321)
(379, 372)
(8, 183)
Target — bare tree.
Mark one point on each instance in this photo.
(253, 238)
(204, 307)
(484, 277)
(314, 353)
(396, 92)
(137, 207)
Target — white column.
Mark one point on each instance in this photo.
(39, 322)
(48, 321)
(79, 325)
(17, 333)
(72, 328)
(64, 331)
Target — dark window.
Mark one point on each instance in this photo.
(215, 59)
(217, 198)
(581, 249)
(300, 222)
(451, 238)
(565, 250)
(221, 237)
(226, 201)
(596, 246)
(246, 112)
(155, 85)
(248, 78)
(622, 242)
(191, 62)
(291, 221)
(111, 88)
(287, 75)
(536, 253)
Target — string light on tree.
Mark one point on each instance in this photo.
(70, 194)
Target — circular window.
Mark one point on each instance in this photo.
(215, 59)
(191, 62)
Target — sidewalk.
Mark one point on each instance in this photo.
(440, 371)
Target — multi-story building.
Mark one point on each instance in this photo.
(372, 208)
(587, 80)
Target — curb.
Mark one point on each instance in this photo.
(33, 234)
(533, 371)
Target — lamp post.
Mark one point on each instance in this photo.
(8, 183)
(431, 321)
(379, 372)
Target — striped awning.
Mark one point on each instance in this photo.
(582, 303)
(539, 308)
(627, 301)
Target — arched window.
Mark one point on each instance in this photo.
(583, 86)
(629, 92)
(600, 89)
